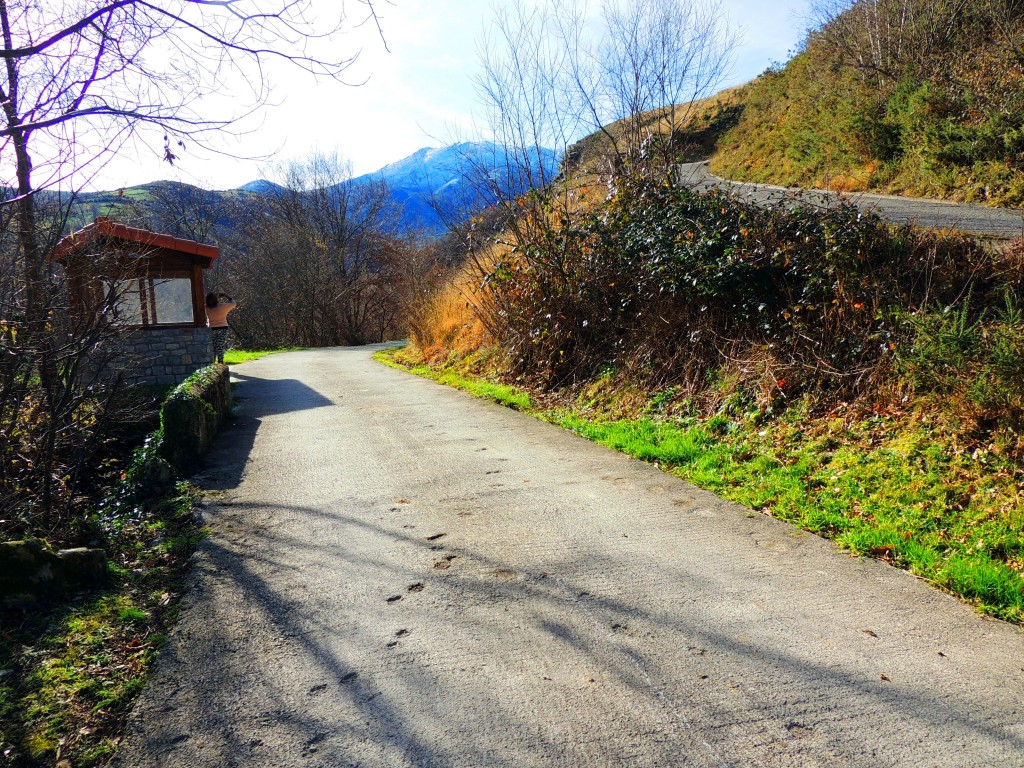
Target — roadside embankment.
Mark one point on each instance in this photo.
(85, 625)
(191, 415)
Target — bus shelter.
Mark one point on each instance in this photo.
(156, 281)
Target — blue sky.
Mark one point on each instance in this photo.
(418, 94)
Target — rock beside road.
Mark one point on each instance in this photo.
(31, 568)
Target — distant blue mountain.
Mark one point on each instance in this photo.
(261, 187)
(439, 186)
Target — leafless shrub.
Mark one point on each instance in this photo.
(885, 37)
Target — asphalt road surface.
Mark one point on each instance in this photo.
(994, 223)
(400, 575)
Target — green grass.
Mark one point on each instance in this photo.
(65, 687)
(236, 356)
(503, 394)
(946, 129)
(882, 490)
(76, 665)
(880, 487)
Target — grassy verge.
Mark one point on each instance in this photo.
(511, 397)
(894, 487)
(71, 667)
(236, 356)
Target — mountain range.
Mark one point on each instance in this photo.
(439, 186)
(434, 187)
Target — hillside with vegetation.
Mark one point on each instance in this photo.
(859, 379)
(901, 96)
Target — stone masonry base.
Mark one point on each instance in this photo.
(164, 356)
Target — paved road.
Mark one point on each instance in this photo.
(401, 575)
(995, 223)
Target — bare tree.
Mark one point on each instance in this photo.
(177, 209)
(630, 74)
(58, 405)
(550, 75)
(658, 57)
(884, 37)
(610, 94)
(1006, 17)
(529, 91)
(81, 76)
(318, 261)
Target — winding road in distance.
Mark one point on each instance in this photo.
(399, 575)
(994, 223)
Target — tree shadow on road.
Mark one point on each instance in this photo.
(254, 399)
(361, 697)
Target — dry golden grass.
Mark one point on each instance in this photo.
(447, 325)
(843, 183)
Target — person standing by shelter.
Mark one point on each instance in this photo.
(217, 307)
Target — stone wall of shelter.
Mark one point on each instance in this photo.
(164, 356)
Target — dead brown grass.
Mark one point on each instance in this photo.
(448, 325)
(698, 120)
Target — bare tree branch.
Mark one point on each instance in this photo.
(80, 78)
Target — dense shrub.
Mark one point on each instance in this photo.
(676, 286)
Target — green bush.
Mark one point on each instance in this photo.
(975, 355)
(679, 288)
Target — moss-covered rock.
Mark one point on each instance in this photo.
(82, 566)
(31, 568)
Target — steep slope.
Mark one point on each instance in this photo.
(933, 106)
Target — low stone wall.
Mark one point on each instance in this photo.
(164, 356)
(191, 415)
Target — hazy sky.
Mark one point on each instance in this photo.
(420, 94)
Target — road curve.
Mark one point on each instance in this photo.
(993, 223)
(400, 575)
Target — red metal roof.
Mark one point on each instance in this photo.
(106, 228)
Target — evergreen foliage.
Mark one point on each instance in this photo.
(682, 288)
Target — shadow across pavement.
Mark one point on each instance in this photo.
(255, 398)
(398, 719)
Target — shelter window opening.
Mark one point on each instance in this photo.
(152, 300)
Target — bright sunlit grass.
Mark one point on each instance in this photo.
(236, 356)
(503, 394)
(903, 498)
